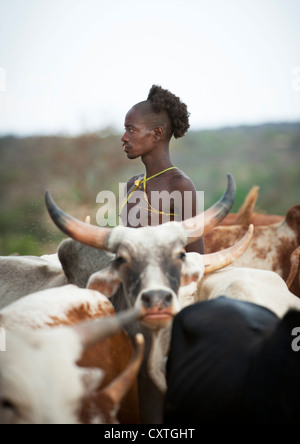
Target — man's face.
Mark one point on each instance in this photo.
(138, 138)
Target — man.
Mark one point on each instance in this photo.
(164, 193)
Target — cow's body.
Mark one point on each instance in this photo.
(20, 276)
(231, 362)
(246, 214)
(260, 287)
(257, 219)
(73, 264)
(66, 306)
(270, 249)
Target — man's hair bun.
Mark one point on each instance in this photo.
(163, 100)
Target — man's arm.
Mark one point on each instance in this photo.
(184, 184)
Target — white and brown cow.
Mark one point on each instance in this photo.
(271, 248)
(59, 369)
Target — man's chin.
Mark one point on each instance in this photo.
(131, 156)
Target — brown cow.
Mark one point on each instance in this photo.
(271, 247)
(247, 216)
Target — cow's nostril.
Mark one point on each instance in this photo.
(168, 299)
(146, 300)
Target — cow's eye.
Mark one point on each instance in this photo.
(7, 404)
(182, 256)
(120, 261)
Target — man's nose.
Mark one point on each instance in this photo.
(125, 137)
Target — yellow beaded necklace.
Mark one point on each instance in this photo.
(140, 182)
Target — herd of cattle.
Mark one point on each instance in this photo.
(123, 326)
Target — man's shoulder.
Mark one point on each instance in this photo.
(131, 181)
(181, 182)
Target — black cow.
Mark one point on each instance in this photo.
(233, 362)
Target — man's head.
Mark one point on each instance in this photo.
(154, 121)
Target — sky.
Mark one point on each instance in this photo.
(71, 66)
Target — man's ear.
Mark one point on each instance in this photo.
(105, 281)
(158, 133)
(192, 269)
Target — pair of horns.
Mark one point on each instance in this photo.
(98, 237)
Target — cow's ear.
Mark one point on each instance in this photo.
(192, 269)
(105, 281)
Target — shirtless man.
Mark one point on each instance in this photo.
(149, 127)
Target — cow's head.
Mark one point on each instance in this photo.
(151, 262)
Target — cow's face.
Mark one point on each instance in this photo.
(150, 264)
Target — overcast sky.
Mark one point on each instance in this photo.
(68, 66)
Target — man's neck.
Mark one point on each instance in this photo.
(156, 162)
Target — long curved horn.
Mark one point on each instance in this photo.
(82, 232)
(204, 222)
(221, 259)
(118, 388)
(94, 331)
(294, 260)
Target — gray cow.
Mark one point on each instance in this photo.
(74, 264)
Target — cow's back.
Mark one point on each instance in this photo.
(20, 276)
(262, 287)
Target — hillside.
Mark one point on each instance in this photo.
(77, 169)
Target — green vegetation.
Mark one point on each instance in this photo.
(77, 169)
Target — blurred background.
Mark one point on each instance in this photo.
(71, 69)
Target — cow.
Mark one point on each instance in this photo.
(247, 216)
(74, 263)
(271, 248)
(149, 266)
(261, 287)
(67, 360)
(233, 362)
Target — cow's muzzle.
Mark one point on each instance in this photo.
(161, 299)
(159, 306)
